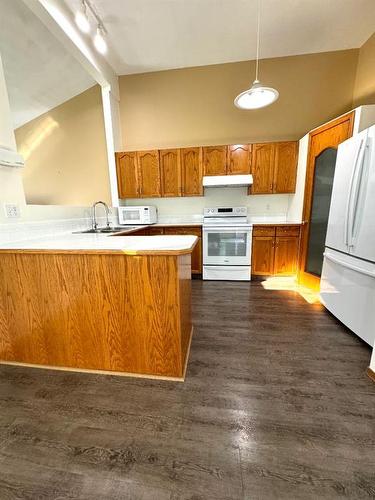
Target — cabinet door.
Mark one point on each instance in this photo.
(262, 261)
(170, 172)
(286, 255)
(262, 167)
(148, 173)
(215, 160)
(285, 172)
(196, 256)
(191, 169)
(127, 175)
(239, 159)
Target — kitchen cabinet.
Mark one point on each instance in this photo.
(215, 160)
(127, 174)
(170, 172)
(155, 231)
(274, 167)
(284, 177)
(191, 171)
(263, 254)
(196, 256)
(275, 250)
(148, 174)
(263, 159)
(286, 254)
(239, 159)
(179, 171)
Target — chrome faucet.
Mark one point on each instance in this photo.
(94, 223)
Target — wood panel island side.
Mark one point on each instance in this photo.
(122, 311)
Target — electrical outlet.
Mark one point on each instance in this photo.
(12, 210)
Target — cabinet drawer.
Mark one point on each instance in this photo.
(155, 231)
(194, 230)
(264, 231)
(173, 230)
(287, 231)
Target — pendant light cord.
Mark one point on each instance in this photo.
(258, 44)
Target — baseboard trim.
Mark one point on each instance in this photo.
(97, 372)
(370, 374)
(187, 354)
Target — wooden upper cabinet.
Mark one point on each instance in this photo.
(274, 167)
(148, 173)
(170, 172)
(239, 159)
(215, 160)
(285, 167)
(263, 160)
(191, 171)
(127, 175)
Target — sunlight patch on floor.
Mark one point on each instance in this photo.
(289, 283)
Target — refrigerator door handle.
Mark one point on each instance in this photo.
(349, 199)
(357, 269)
(356, 191)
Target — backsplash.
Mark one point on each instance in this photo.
(40, 221)
(267, 206)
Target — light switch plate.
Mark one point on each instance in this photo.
(12, 210)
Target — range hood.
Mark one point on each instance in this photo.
(227, 180)
(10, 158)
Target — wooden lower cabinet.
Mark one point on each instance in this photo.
(263, 255)
(196, 256)
(286, 254)
(275, 250)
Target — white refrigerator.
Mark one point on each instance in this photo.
(347, 287)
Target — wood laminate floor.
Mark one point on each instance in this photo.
(276, 405)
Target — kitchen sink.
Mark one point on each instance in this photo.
(101, 230)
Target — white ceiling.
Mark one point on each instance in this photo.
(151, 35)
(39, 72)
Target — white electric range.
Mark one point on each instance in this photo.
(226, 244)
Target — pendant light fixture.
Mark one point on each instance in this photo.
(258, 96)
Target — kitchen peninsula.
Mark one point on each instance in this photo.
(95, 302)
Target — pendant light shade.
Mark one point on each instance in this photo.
(257, 96)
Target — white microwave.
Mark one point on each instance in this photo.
(137, 215)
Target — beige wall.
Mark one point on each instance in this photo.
(65, 152)
(195, 106)
(364, 89)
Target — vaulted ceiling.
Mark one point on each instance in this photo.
(39, 72)
(151, 35)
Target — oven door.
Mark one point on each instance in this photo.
(227, 246)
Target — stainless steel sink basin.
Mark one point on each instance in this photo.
(105, 230)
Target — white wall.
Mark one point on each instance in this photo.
(295, 210)
(258, 205)
(11, 188)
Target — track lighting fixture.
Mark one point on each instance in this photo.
(83, 22)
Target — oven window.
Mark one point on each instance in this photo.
(227, 244)
(131, 214)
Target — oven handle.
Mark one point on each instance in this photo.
(226, 229)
